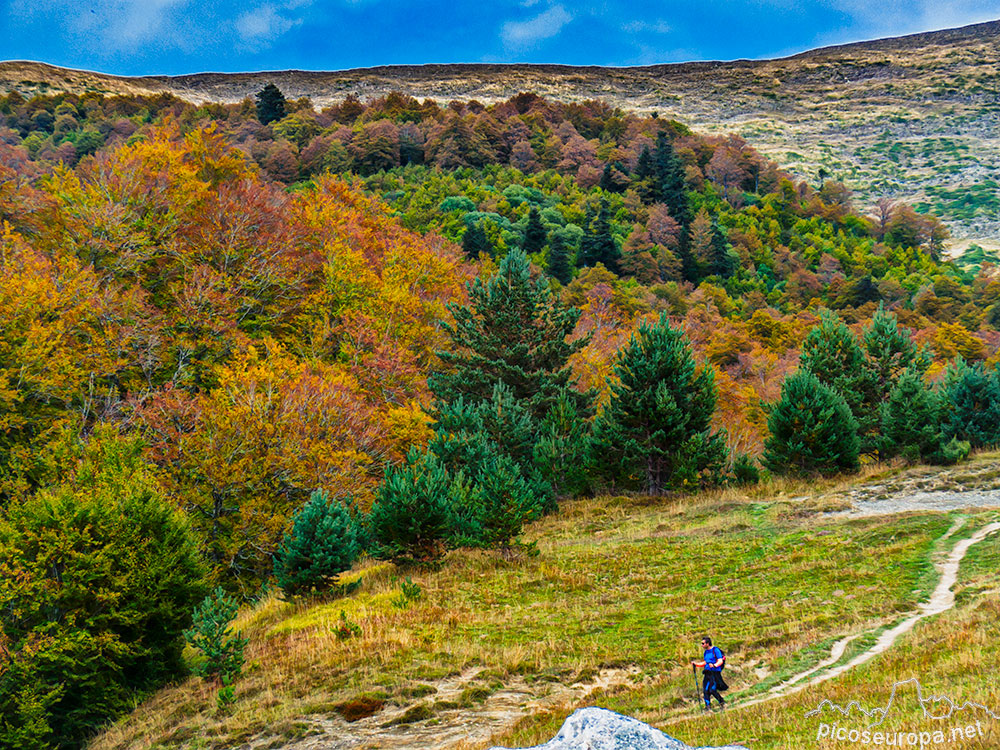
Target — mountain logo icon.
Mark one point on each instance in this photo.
(937, 707)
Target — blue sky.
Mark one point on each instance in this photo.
(135, 37)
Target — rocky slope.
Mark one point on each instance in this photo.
(913, 117)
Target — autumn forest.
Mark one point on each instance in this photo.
(415, 326)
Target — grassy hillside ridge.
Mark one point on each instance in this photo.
(912, 117)
(609, 612)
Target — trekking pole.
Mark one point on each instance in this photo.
(697, 690)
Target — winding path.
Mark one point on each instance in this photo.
(941, 600)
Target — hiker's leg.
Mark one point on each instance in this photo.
(707, 686)
(712, 690)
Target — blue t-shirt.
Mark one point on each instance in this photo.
(712, 655)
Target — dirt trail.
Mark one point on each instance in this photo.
(941, 600)
(453, 725)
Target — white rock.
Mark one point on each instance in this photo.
(599, 729)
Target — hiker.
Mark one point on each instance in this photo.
(711, 682)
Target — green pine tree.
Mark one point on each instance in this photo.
(321, 543)
(609, 183)
(643, 176)
(971, 404)
(475, 242)
(911, 425)
(598, 245)
(890, 351)
(721, 262)
(270, 104)
(414, 513)
(513, 331)
(812, 430)
(472, 436)
(503, 419)
(832, 353)
(585, 241)
(644, 168)
(559, 266)
(562, 449)
(654, 430)
(210, 632)
(499, 502)
(669, 182)
(535, 235)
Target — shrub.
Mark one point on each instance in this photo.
(98, 576)
(413, 516)
(952, 452)
(210, 633)
(321, 543)
(744, 470)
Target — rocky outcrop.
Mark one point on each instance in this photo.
(599, 729)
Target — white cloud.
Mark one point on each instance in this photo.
(892, 17)
(261, 26)
(651, 27)
(543, 26)
(120, 25)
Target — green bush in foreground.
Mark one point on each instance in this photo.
(98, 577)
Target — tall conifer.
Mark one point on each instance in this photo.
(668, 186)
(475, 242)
(559, 261)
(721, 262)
(534, 233)
(598, 245)
(513, 331)
(911, 420)
(832, 353)
(654, 430)
(270, 104)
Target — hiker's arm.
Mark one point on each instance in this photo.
(697, 664)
